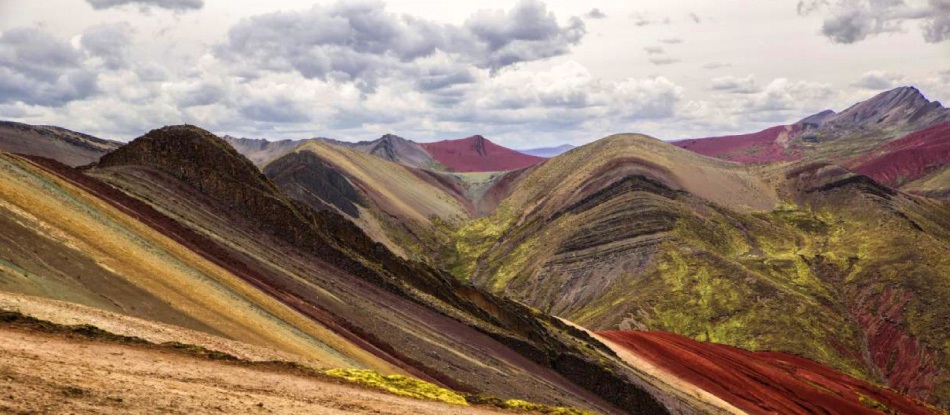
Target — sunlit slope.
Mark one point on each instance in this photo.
(395, 204)
(64, 243)
(937, 184)
(320, 264)
(633, 233)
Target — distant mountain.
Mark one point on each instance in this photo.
(397, 149)
(65, 146)
(548, 152)
(829, 136)
(472, 154)
(899, 107)
(478, 154)
(259, 150)
(765, 146)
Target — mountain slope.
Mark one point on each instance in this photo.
(630, 232)
(765, 146)
(906, 159)
(389, 201)
(67, 147)
(478, 154)
(762, 383)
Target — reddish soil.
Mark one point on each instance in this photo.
(477, 154)
(760, 147)
(906, 159)
(906, 365)
(763, 382)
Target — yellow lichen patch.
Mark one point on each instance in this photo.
(520, 405)
(399, 385)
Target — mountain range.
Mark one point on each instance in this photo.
(851, 137)
(801, 269)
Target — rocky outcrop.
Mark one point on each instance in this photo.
(304, 177)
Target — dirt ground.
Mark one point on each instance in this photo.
(52, 374)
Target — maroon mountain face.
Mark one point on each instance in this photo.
(477, 154)
(762, 147)
(906, 159)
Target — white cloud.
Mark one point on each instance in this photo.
(850, 21)
(361, 42)
(146, 5)
(37, 68)
(663, 60)
(879, 80)
(595, 13)
(745, 85)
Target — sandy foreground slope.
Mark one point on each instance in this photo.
(60, 373)
(45, 373)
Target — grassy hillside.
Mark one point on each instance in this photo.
(632, 233)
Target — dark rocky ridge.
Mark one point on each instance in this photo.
(304, 177)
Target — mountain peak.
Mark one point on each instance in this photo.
(897, 107)
(478, 154)
(391, 137)
(478, 144)
(193, 155)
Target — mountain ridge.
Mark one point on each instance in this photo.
(67, 146)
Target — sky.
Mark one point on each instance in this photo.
(527, 73)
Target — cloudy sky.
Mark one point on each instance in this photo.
(523, 73)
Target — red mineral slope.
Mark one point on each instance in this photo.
(905, 364)
(477, 154)
(906, 159)
(763, 382)
(762, 147)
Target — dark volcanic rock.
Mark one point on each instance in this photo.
(303, 176)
